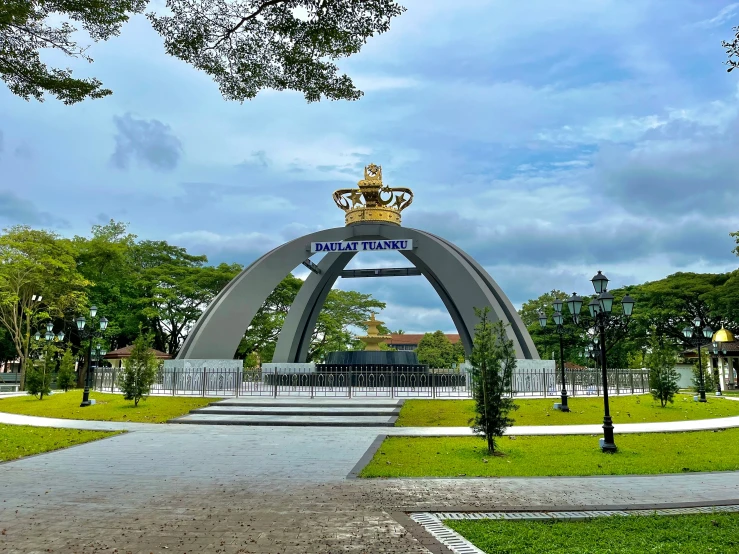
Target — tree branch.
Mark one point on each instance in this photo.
(243, 20)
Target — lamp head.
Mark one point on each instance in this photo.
(557, 305)
(627, 303)
(103, 324)
(93, 311)
(600, 283)
(574, 304)
(688, 332)
(49, 326)
(542, 319)
(81, 322)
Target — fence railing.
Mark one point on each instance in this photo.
(374, 381)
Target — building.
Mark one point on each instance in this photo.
(410, 342)
(726, 362)
(116, 357)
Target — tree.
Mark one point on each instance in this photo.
(343, 310)
(436, 351)
(65, 378)
(28, 26)
(663, 378)
(35, 264)
(245, 45)
(261, 336)
(139, 371)
(493, 361)
(38, 381)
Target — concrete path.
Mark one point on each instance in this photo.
(663, 427)
(278, 490)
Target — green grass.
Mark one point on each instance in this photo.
(108, 407)
(17, 441)
(646, 453)
(584, 410)
(684, 534)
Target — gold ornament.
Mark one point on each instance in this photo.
(373, 201)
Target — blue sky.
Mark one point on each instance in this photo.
(548, 139)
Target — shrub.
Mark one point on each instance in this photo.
(66, 377)
(139, 371)
(663, 377)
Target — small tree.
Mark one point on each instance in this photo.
(663, 377)
(66, 377)
(708, 382)
(139, 371)
(493, 361)
(38, 379)
(436, 350)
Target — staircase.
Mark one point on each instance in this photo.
(316, 412)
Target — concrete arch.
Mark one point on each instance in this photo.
(461, 283)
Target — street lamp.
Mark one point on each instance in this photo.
(90, 332)
(560, 330)
(601, 310)
(696, 340)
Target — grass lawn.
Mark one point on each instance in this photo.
(535, 411)
(558, 455)
(684, 534)
(17, 441)
(109, 407)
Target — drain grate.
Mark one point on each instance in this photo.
(432, 522)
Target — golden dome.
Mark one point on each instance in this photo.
(723, 335)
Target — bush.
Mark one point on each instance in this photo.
(66, 377)
(710, 385)
(139, 371)
(38, 377)
(663, 377)
(493, 361)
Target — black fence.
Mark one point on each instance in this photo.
(374, 381)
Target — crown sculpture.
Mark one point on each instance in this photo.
(373, 339)
(373, 201)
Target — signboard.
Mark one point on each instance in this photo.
(361, 245)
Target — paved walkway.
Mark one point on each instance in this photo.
(284, 490)
(520, 430)
(259, 489)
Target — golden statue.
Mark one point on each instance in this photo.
(373, 201)
(373, 339)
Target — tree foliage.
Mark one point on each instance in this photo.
(139, 371)
(493, 361)
(436, 351)
(663, 377)
(65, 377)
(40, 374)
(28, 26)
(245, 45)
(35, 263)
(732, 53)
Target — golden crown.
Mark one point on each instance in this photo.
(373, 201)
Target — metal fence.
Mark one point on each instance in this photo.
(374, 381)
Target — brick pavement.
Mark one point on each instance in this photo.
(267, 490)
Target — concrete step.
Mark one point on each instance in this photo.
(281, 420)
(307, 403)
(296, 411)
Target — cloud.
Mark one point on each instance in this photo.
(727, 13)
(15, 210)
(150, 143)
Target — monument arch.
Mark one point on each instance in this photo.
(373, 216)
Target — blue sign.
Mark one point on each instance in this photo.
(361, 245)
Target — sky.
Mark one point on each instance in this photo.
(547, 139)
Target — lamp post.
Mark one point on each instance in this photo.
(601, 310)
(718, 349)
(91, 332)
(560, 330)
(699, 341)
